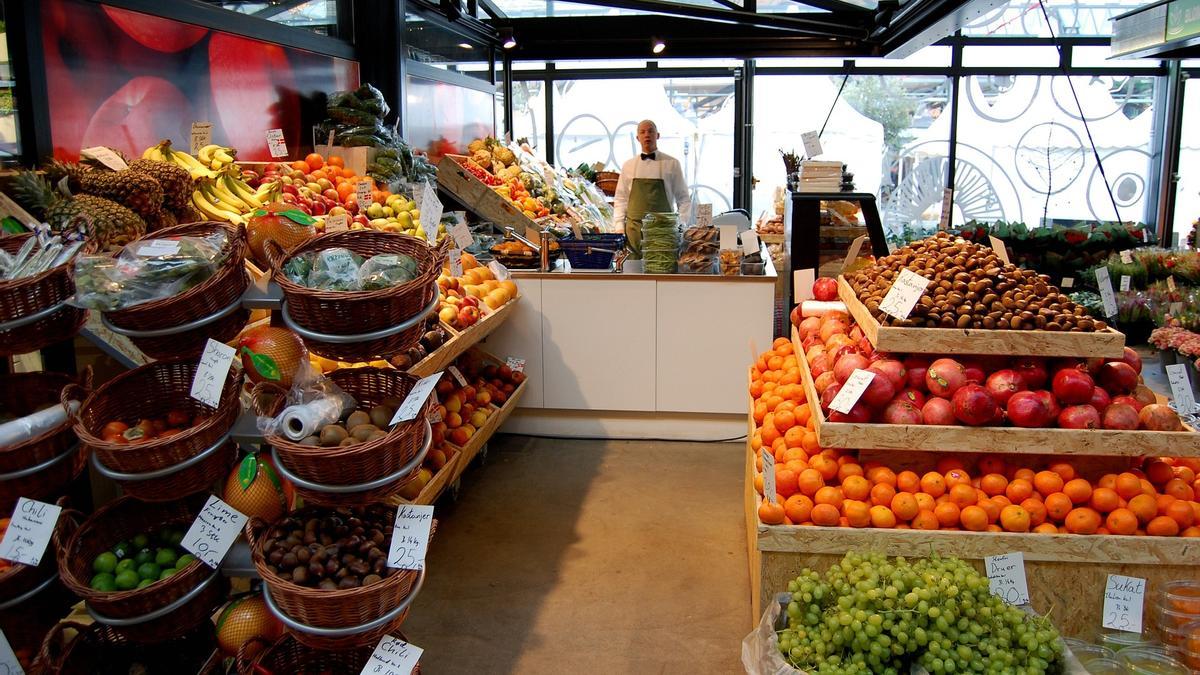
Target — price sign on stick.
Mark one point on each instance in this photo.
(209, 380)
(1127, 257)
(852, 390)
(749, 242)
(106, 157)
(455, 256)
(9, 663)
(514, 364)
(729, 238)
(392, 656)
(410, 537)
(1107, 297)
(499, 270)
(812, 143)
(768, 464)
(802, 284)
(904, 294)
(339, 223)
(1171, 283)
(431, 210)
(1123, 600)
(201, 136)
(1175, 308)
(1126, 282)
(1181, 387)
(416, 398)
(213, 531)
(461, 234)
(29, 531)
(1006, 577)
(704, 215)
(1068, 282)
(276, 145)
(457, 375)
(947, 208)
(362, 194)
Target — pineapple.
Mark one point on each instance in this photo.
(139, 192)
(105, 222)
(175, 180)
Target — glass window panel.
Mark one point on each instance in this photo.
(444, 118)
(1023, 153)
(784, 7)
(10, 139)
(929, 57)
(529, 115)
(891, 132)
(529, 65)
(318, 16)
(530, 8)
(600, 64)
(818, 62)
(1187, 191)
(1010, 56)
(433, 45)
(596, 121)
(1098, 57)
(1069, 18)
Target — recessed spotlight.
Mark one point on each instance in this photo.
(508, 41)
(658, 46)
(465, 45)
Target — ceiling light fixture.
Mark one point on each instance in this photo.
(465, 45)
(657, 46)
(507, 40)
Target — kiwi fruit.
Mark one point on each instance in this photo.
(392, 402)
(376, 435)
(332, 434)
(363, 431)
(381, 415)
(311, 440)
(356, 418)
(348, 442)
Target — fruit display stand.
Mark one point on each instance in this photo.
(460, 342)
(473, 193)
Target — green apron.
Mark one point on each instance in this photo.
(646, 195)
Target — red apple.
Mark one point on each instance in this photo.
(825, 289)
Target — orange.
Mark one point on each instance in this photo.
(963, 494)
(1192, 531)
(1015, 519)
(778, 448)
(828, 468)
(991, 508)
(794, 437)
(771, 513)
(1105, 500)
(904, 505)
(756, 443)
(848, 468)
(758, 481)
(1163, 502)
(924, 501)
(825, 515)
(882, 516)
(1024, 473)
(1121, 521)
(974, 518)
(1147, 487)
(956, 477)
(1064, 470)
(1082, 521)
(768, 431)
(1058, 505)
(1179, 489)
(785, 481)
(1181, 512)
(1046, 482)
(933, 484)
(947, 464)
(1185, 474)
(1108, 480)
(829, 495)
(803, 412)
(992, 464)
(791, 454)
(798, 508)
(784, 420)
(857, 513)
(1144, 507)
(1162, 526)
(947, 513)
(993, 484)
(1079, 490)
(1046, 528)
(1128, 485)
(810, 481)
(908, 481)
(925, 520)
(782, 342)
(856, 487)
(336, 161)
(881, 474)
(796, 466)
(1159, 472)
(882, 493)
(756, 389)
(1036, 509)
(1018, 490)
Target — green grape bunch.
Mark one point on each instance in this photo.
(872, 614)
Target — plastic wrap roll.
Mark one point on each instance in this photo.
(301, 421)
(34, 424)
(821, 308)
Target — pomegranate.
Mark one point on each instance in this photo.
(1159, 417)
(1079, 417)
(891, 369)
(842, 350)
(974, 406)
(823, 381)
(827, 396)
(859, 414)
(973, 371)
(944, 377)
(938, 410)
(879, 392)
(796, 316)
(1028, 409)
(1032, 371)
(1073, 387)
(1129, 401)
(1131, 357)
(913, 396)
(1002, 384)
(901, 411)
(811, 325)
(916, 367)
(819, 365)
(1051, 404)
(1100, 399)
(865, 346)
(847, 364)
(1118, 377)
(1145, 395)
(825, 289)
(1121, 416)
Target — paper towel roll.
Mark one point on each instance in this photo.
(34, 424)
(820, 308)
(301, 421)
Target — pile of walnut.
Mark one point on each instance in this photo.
(970, 287)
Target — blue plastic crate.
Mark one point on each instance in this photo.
(583, 254)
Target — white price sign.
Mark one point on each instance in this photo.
(1123, 600)
(29, 531)
(1181, 387)
(201, 136)
(276, 145)
(158, 247)
(410, 537)
(362, 194)
(1127, 257)
(1171, 283)
(499, 270)
(415, 399)
(431, 209)
(704, 215)
(729, 237)
(947, 208)
(209, 380)
(749, 242)
(1126, 282)
(904, 294)
(392, 656)
(214, 531)
(812, 143)
(1107, 296)
(1176, 308)
(514, 364)
(461, 234)
(106, 157)
(9, 663)
(455, 256)
(852, 390)
(457, 375)
(802, 284)
(768, 464)
(1068, 282)
(338, 223)
(1006, 577)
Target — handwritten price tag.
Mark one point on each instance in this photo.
(1068, 282)
(904, 294)
(812, 143)
(1181, 387)
(461, 234)
(410, 537)
(213, 531)
(851, 391)
(704, 215)
(749, 242)
(362, 194)
(729, 238)
(1006, 577)
(392, 656)
(457, 375)
(338, 223)
(416, 398)
(1126, 282)
(276, 145)
(106, 157)
(1107, 297)
(201, 136)
(514, 364)
(1127, 257)
(9, 663)
(768, 464)
(802, 284)
(1176, 308)
(29, 531)
(1123, 600)
(456, 268)
(947, 208)
(431, 209)
(499, 270)
(211, 373)
(1171, 283)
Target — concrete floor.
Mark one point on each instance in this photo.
(589, 556)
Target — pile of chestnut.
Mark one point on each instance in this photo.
(335, 549)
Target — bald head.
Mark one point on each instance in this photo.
(647, 135)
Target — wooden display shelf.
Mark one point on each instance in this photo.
(460, 342)
(1107, 343)
(1015, 440)
(479, 197)
(436, 485)
(768, 238)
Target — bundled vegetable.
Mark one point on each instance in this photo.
(36, 256)
(149, 269)
(356, 120)
(340, 269)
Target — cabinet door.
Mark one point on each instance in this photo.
(598, 344)
(520, 336)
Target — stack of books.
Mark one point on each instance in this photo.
(820, 176)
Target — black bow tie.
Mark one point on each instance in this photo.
(648, 156)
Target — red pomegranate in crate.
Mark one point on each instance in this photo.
(271, 354)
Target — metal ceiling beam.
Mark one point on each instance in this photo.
(273, 10)
(835, 5)
(920, 23)
(838, 26)
(492, 10)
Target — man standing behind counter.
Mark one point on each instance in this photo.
(651, 182)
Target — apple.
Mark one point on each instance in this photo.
(825, 289)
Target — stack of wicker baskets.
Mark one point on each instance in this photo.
(43, 296)
(44, 466)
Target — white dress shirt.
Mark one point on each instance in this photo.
(663, 166)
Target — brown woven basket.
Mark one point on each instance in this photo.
(21, 298)
(211, 297)
(47, 483)
(329, 609)
(198, 477)
(289, 655)
(20, 580)
(25, 393)
(151, 391)
(118, 521)
(607, 182)
(361, 312)
(100, 650)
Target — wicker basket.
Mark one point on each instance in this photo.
(200, 475)
(151, 391)
(99, 650)
(289, 655)
(351, 313)
(19, 583)
(217, 296)
(331, 609)
(607, 182)
(21, 298)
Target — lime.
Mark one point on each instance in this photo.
(144, 556)
(148, 570)
(165, 557)
(127, 564)
(105, 562)
(145, 582)
(176, 537)
(184, 560)
(104, 582)
(122, 549)
(167, 572)
(127, 580)
(163, 536)
(141, 541)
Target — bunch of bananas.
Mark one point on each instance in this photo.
(219, 192)
(217, 157)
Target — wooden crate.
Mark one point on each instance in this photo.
(1107, 343)
(480, 198)
(356, 158)
(461, 342)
